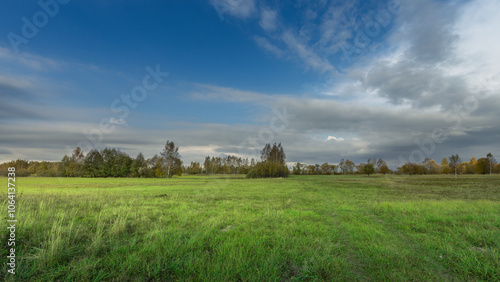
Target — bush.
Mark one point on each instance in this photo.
(268, 170)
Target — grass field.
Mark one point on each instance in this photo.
(216, 229)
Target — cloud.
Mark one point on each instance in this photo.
(435, 59)
(236, 8)
(268, 19)
(269, 47)
(308, 56)
(31, 61)
(426, 27)
(336, 28)
(384, 132)
(119, 121)
(302, 43)
(330, 138)
(407, 82)
(5, 151)
(14, 86)
(214, 93)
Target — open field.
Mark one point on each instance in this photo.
(301, 228)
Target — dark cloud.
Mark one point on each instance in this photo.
(427, 26)
(421, 86)
(8, 91)
(5, 151)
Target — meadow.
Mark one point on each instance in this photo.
(213, 228)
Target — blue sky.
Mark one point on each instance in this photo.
(359, 79)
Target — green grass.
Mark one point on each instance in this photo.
(216, 229)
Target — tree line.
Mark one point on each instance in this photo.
(221, 165)
(108, 162)
(450, 165)
(111, 162)
(344, 167)
(453, 165)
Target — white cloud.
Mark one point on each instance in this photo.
(236, 8)
(336, 27)
(305, 53)
(226, 94)
(119, 121)
(330, 138)
(265, 44)
(267, 19)
(477, 27)
(32, 61)
(16, 82)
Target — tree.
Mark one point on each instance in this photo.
(384, 169)
(311, 170)
(462, 167)
(272, 163)
(470, 168)
(380, 163)
(73, 166)
(431, 166)
(341, 166)
(491, 161)
(297, 169)
(359, 168)
(349, 166)
(412, 168)
(178, 170)
(93, 164)
(318, 169)
(194, 168)
(407, 168)
(326, 169)
(333, 168)
(445, 167)
(171, 159)
(78, 155)
(124, 164)
(138, 166)
(274, 153)
(64, 165)
(368, 169)
(207, 165)
(110, 163)
(454, 162)
(116, 163)
(70, 168)
(482, 166)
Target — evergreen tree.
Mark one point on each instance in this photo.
(93, 164)
(138, 166)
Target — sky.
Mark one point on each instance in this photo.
(398, 80)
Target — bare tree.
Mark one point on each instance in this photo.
(454, 162)
(491, 160)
